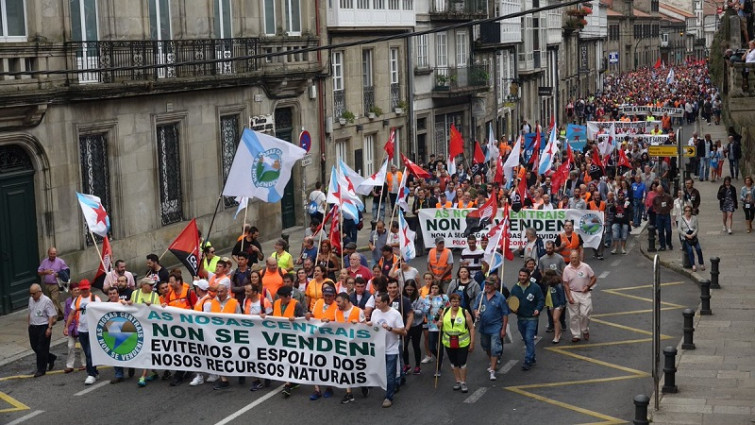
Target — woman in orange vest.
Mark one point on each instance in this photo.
(324, 310)
(315, 287)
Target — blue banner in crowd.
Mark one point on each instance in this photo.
(529, 144)
(576, 135)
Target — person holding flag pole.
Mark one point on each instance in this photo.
(97, 220)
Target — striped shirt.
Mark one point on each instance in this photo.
(473, 259)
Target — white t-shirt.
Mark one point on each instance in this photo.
(393, 319)
(319, 198)
(83, 327)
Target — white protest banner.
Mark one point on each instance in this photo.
(650, 139)
(645, 110)
(450, 223)
(300, 351)
(623, 128)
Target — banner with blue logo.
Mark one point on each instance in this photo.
(576, 136)
(299, 351)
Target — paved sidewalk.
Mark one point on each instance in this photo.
(14, 338)
(716, 381)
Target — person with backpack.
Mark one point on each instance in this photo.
(317, 203)
(457, 335)
(467, 288)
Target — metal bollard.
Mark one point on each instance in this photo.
(714, 261)
(689, 330)
(669, 371)
(641, 402)
(651, 238)
(705, 298)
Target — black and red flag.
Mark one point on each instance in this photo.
(186, 247)
(482, 216)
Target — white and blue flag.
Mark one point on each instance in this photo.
(262, 167)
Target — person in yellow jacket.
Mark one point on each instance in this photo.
(457, 335)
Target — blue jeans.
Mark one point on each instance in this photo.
(86, 347)
(691, 254)
(663, 225)
(734, 168)
(391, 361)
(703, 169)
(639, 211)
(118, 372)
(527, 328)
(433, 338)
(375, 211)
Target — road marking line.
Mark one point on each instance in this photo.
(251, 405)
(25, 417)
(624, 313)
(615, 263)
(627, 288)
(91, 388)
(507, 367)
(578, 382)
(635, 297)
(476, 395)
(600, 362)
(17, 405)
(608, 419)
(604, 274)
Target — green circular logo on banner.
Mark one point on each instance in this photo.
(591, 224)
(120, 335)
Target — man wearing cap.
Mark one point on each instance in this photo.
(285, 306)
(201, 288)
(78, 313)
(48, 271)
(42, 317)
(440, 262)
(492, 315)
(531, 303)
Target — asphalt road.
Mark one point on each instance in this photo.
(572, 383)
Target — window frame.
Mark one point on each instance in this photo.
(289, 18)
(266, 18)
(4, 37)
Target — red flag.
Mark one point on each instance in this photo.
(498, 178)
(506, 239)
(559, 177)
(569, 155)
(335, 237)
(456, 147)
(105, 265)
(623, 160)
(521, 189)
(390, 144)
(329, 216)
(597, 161)
(535, 158)
(186, 247)
(479, 156)
(658, 64)
(414, 168)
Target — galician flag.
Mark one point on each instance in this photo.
(341, 192)
(406, 238)
(94, 214)
(355, 177)
(546, 161)
(670, 77)
(262, 167)
(403, 192)
(377, 179)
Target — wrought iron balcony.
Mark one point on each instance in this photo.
(395, 95)
(460, 79)
(458, 10)
(138, 60)
(368, 98)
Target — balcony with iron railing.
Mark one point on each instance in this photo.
(451, 81)
(458, 10)
(395, 95)
(193, 61)
(368, 98)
